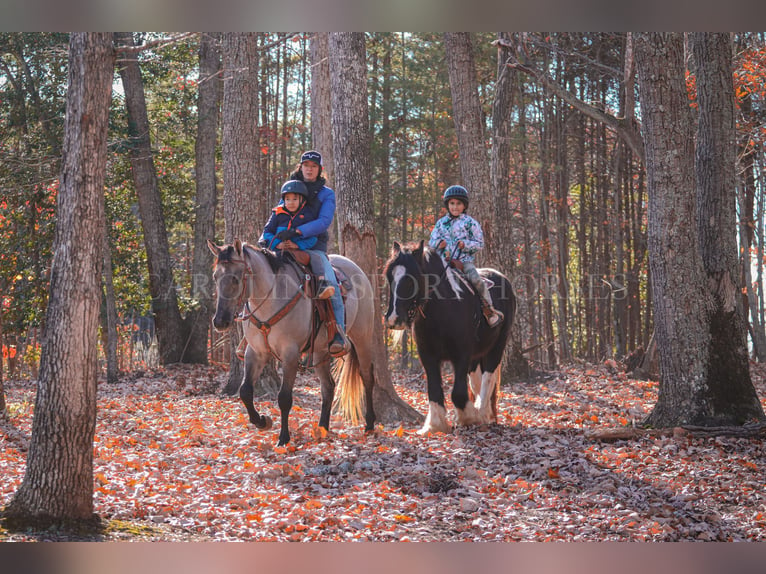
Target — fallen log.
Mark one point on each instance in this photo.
(632, 433)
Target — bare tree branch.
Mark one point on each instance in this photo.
(628, 129)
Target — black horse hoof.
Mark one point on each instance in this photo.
(266, 424)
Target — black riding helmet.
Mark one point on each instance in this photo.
(455, 192)
(295, 186)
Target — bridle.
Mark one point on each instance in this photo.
(243, 302)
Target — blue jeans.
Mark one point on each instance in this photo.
(329, 275)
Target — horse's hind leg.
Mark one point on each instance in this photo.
(466, 411)
(253, 366)
(483, 383)
(327, 385)
(362, 354)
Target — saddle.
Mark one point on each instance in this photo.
(458, 266)
(323, 312)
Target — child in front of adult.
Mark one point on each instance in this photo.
(322, 198)
(458, 237)
(292, 211)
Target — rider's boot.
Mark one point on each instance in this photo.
(339, 345)
(325, 289)
(492, 315)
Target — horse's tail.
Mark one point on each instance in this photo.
(349, 392)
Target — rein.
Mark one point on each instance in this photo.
(420, 305)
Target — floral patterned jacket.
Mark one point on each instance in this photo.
(455, 229)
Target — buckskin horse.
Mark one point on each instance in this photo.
(277, 322)
(448, 325)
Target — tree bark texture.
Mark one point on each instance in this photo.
(110, 317)
(321, 110)
(351, 147)
(244, 204)
(321, 115)
(681, 299)
(208, 105)
(167, 315)
(499, 251)
(469, 126)
(58, 483)
(731, 397)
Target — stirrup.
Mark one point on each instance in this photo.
(325, 290)
(493, 316)
(339, 345)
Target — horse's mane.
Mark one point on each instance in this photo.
(430, 262)
(275, 261)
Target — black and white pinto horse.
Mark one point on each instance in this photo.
(448, 325)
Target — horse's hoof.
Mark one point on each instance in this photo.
(267, 423)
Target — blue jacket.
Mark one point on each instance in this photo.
(322, 201)
(282, 219)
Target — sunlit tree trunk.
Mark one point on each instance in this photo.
(471, 139)
(351, 141)
(321, 114)
(58, 482)
(244, 204)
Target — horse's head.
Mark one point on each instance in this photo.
(229, 276)
(404, 279)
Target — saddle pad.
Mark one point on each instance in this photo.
(343, 280)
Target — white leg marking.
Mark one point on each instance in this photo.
(436, 420)
(483, 400)
(469, 415)
(474, 379)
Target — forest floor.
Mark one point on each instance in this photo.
(174, 460)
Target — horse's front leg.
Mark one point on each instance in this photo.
(254, 364)
(436, 420)
(285, 397)
(467, 414)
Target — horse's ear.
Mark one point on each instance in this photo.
(238, 246)
(418, 253)
(214, 249)
(396, 249)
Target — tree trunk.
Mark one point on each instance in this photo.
(351, 141)
(469, 126)
(321, 115)
(681, 300)
(167, 316)
(110, 314)
(208, 102)
(499, 252)
(731, 397)
(244, 207)
(58, 483)
(687, 323)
